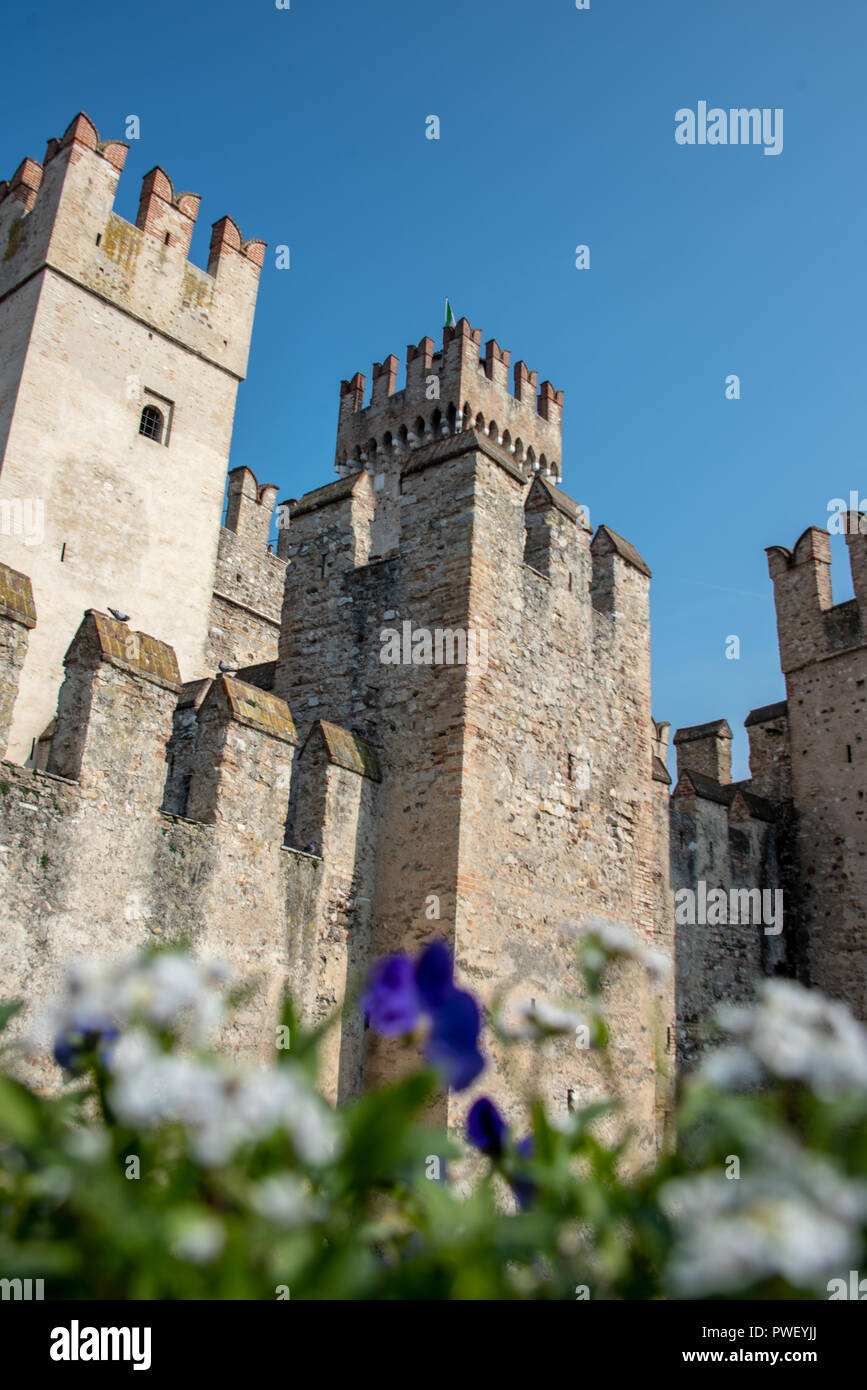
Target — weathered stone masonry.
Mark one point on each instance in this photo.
(99, 320)
(320, 806)
(798, 824)
(520, 798)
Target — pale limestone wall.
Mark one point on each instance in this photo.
(208, 311)
(800, 823)
(823, 653)
(827, 715)
(719, 963)
(248, 580)
(479, 812)
(557, 774)
(17, 312)
(331, 951)
(121, 317)
(81, 876)
(133, 520)
(244, 627)
(91, 867)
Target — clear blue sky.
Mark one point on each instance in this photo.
(557, 128)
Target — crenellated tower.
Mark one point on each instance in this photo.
(447, 603)
(823, 655)
(119, 367)
(797, 827)
(446, 392)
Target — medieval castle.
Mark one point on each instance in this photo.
(313, 805)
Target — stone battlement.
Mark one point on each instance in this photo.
(427, 716)
(798, 826)
(248, 579)
(120, 362)
(60, 215)
(446, 392)
(810, 625)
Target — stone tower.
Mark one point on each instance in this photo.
(521, 788)
(795, 832)
(823, 655)
(119, 367)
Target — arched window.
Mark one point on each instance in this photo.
(151, 424)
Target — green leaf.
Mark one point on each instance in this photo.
(378, 1139)
(19, 1112)
(8, 1011)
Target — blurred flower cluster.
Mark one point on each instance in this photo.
(170, 1170)
(792, 1034)
(166, 990)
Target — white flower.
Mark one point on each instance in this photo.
(167, 990)
(539, 1019)
(284, 1199)
(657, 965)
(265, 1098)
(603, 940)
(552, 1019)
(313, 1129)
(223, 1107)
(798, 1034)
(614, 938)
(731, 1069)
(199, 1240)
(798, 1218)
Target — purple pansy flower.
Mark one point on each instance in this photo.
(454, 1039)
(400, 993)
(488, 1131)
(486, 1128)
(391, 1002)
(434, 974)
(81, 1036)
(523, 1188)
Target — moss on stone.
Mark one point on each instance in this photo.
(13, 241)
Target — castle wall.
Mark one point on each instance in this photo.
(718, 962)
(516, 800)
(557, 772)
(17, 313)
(91, 866)
(823, 650)
(336, 814)
(770, 751)
(99, 318)
(17, 619)
(329, 668)
(248, 580)
(827, 704)
(798, 825)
